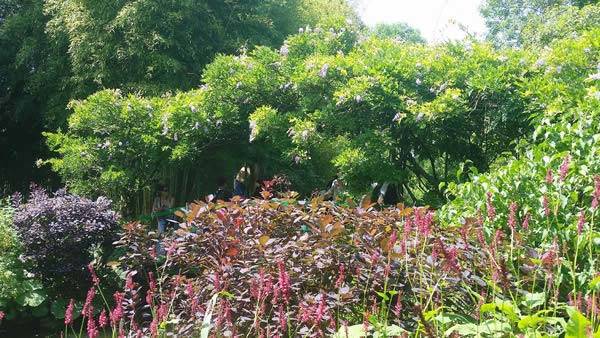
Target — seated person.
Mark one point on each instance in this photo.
(222, 193)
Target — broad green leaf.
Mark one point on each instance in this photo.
(533, 300)
(530, 322)
(33, 299)
(577, 325)
(463, 330)
(58, 308)
(390, 331)
(494, 327)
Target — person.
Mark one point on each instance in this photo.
(222, 193)
(161, 206)
(335, 188)
(385, 193)
(240, 182)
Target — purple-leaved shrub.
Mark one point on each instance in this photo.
(58, 233)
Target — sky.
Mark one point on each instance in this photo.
(432, 17)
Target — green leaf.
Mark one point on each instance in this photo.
(533, 300)
(58, 308)
(487, 307)
(595, 283)
(463, 330)
(509, 309)
(577, 325)
(382, 295)
(530, 322)
(33, 299)
(493, 327)
(390, 331)
(40, 311)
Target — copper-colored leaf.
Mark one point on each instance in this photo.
(406, 212)
(327, 219)
(232, 251)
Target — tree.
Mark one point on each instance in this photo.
(400, 31)
(506, 19)
(53, 51)
(558, 23)
(323, 104)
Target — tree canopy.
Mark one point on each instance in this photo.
(54, 51)
(507, 19)
(325, 103)
(400, 31)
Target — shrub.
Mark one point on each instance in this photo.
(326, 103)
(58, 233)
(281, 267)
(19, 293)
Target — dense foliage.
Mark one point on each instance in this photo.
(54, 51)
(399, 31)
(558, 23)
(19, 292)
(326, 103)
(506, 20)
(58, 233)
(279, 267)
(502, 141)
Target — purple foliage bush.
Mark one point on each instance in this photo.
(58, 233)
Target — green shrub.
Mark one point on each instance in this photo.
(328, 102)
(19, 292)
(555, 177)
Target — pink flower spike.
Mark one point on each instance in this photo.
(284, 282)
(88, 301)
(512, 215)
(564, 168)
(341, 276)
(95, 278)
(580, 222)
(282, 318)
(103, 320)
(549, 176)
(596, 194)
(69, 312)
(526, 220)
(545, 205)
(92, 329)
(491, 210)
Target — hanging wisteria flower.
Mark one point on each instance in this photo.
(324, 70)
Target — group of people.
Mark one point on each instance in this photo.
(245, 184)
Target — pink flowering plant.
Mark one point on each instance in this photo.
(286, 268)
